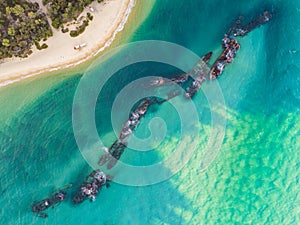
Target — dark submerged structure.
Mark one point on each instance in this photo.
(90, 187)
(50, 201)
(94, 182)
(230, 44)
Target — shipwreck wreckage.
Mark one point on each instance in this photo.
(94, 182)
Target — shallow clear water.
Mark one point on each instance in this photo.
(253, 180)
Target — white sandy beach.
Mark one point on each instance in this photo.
(109, 18)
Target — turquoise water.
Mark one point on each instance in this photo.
(253, 180)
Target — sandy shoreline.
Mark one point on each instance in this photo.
(109, 19)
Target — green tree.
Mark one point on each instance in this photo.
(18, 10)
(5, 42)
(31, 14)
(8, 10)
(11, 31)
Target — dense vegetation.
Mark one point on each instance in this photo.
(80, 29)
(22, 25)
(62, 11)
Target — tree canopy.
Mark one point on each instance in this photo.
(22, 24)
(62, 11)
